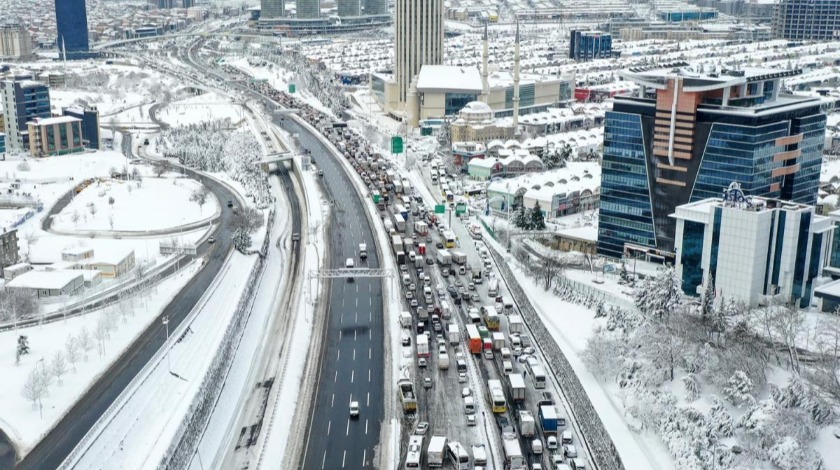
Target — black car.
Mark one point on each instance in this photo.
(439, 245)
(230, 203)
(453, 291)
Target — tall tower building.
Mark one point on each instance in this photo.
(375, 7)
(71, 23)
(817, 20)
(308, 9)
(418, 39)
(15, 41)
(686, 136)
(347, 8)
(272, 8)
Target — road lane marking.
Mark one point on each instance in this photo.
(354, 354)
(329, 425)
(368, 398)
(370, 300)
(370, 353)
(357, 288)
(368, 375)
(355, 333)
(345, 452)
(366, 426)
(357, 316)
(357, 301)
(339, 334)
(338, 355)
(371, 315)
(335, 379)
(352, 375)
(364, 456)
(370, 334)
(342, 303)
(341, 320)
(348, 429)
(324, 460)
(332, 401)
(370, 287)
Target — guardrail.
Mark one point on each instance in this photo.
(189, 433)
(602, 449)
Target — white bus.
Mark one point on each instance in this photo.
(538, 376)
(458, 456)
(415, 452)
(493, 288)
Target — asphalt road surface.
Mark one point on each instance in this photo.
(352, 360)
(57, 445)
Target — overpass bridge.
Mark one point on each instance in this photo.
(225, 34)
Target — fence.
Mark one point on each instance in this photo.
(198, 415)
(603, 451)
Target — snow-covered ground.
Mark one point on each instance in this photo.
(155, 204)
(24, 422)
(206, 107)
(152, 409)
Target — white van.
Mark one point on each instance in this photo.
(469, 405)
(412, 256)
(349, 264)
(536, 447)
(508, 367)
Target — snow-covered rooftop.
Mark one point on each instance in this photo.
(449, 77)
(576, 176)
(44, 279)
(55, 120)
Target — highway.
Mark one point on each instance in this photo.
(352, 357)
(55, 446)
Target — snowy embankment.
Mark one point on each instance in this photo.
(136, 431)
(99, 338)
(193, 110)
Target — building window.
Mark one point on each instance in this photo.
(691, 256)
(456, 102)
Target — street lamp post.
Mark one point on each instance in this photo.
(165, 321)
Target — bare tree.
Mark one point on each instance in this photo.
(17, 304)
(58, 366)
(788, 324)
(159, 170)
(75, 217)
(111, 220)
(72, 350)
(92, 209)
(199, 196)
(247, 219)
(100, 333)
(85, 341)
(824, 373)
(35, 387)
(549, 268)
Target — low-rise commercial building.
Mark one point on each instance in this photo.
(90, 125)
(753, 247)
(112, 264)
(55, 136)
(48, 283)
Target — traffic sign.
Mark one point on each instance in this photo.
(292, 87)
(440, 209)
(460, 208)
(396, 144)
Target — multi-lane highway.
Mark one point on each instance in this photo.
(352, 356)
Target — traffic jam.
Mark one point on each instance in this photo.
(471, 372)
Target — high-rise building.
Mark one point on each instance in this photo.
(807, 19)
(752, 247)
(308, 9)
(686, 136)
(90, 124)
(375, 7)
(419, 39)
(23, 100)
(348, 8)
(71, 24)
(589, 45)
(58, 135)
(15, 41)
(272, 8)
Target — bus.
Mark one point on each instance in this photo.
(493, 288)
(458, 456)
(415, 452)
(538, 376)
(474, 339)
(496, 396)
(491, 317)
(449, 239)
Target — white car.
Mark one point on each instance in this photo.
(462, 377)
(569, 451)
(471, 420)
(354, 409)
(551, 443)
(465, 392)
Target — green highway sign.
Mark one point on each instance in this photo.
(376, 198)
(292, 87)
(396, 144)
(440, 209)
(460, 208)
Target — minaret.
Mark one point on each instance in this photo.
(485, 58)
(516, 82)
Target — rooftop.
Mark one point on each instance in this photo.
(699, 80)
(449, 77)
(54, 120)
(44, 279)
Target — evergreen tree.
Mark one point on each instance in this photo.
(537, 221)
(242, 240)
(623, 275)
(720, 419)
(739, 388)
(23, 345)
(520, 218)
(708, 305)
(720, 318)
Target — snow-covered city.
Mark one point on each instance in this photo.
(259, 234)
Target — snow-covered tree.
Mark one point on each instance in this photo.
(242, 240)
(659, 296)
(720, 419)
(707, 308)
(520, 217)
(739, 389)
(85, 341)
(58, 366)
(787, 454)
(72, 350)
(692, 387)
(537, 219)
(36, 386)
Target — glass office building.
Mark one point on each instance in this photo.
(71, 23)
(685, 137)
(589, 45)
(816, 20)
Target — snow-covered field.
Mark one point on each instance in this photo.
(77, 167)
(154, 204)
(24, 422)
(206, 107)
